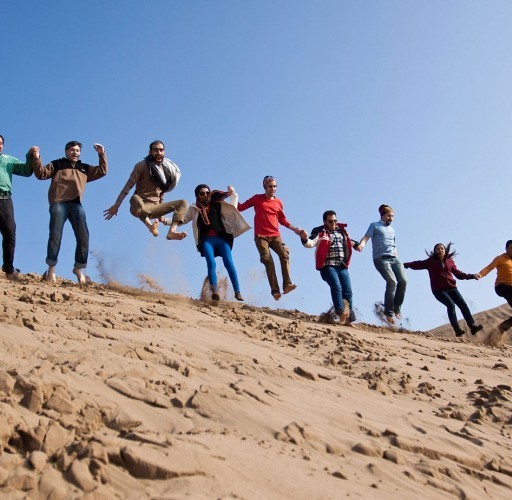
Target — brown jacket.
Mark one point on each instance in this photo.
(144, 186)
(68, 178)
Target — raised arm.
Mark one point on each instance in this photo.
(101, 170)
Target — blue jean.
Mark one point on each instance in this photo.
(452, 298)
(338, 280)
(60, 212)
(216, 245)
(392, 270)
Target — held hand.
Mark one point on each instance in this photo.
(34, 151)
(110, 212)
(162, 219)
(358, 248)
(303, 234)
(99, 149)
(477, 276)
(231, 190)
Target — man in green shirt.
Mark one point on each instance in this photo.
(8, 166)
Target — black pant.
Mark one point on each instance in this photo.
(8, 230)
(452, 298)
(504, 291)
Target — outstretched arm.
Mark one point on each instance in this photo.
(362, 243)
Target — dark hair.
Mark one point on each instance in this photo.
(448, 254)
(384, 209)
(199, 187)
(508, 243)
(3, 140)
(156, 142)
(327, 213)
(72, 144)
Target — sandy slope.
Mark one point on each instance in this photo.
(108, 392)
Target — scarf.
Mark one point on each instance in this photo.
(156, 177)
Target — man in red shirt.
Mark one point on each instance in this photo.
(268, 214)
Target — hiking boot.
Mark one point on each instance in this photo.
(475, 329)
(238, 296)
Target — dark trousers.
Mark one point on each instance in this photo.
(452, 298)
(504, 291)
(8, 230)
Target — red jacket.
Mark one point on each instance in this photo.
(441, 277)
(320, 238)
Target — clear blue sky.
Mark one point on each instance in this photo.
(349, 104)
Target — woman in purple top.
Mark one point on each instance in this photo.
(442, 269)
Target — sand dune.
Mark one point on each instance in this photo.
(115, 392)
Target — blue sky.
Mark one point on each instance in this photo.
(349, 104)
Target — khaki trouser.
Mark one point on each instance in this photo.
(155, 210)
(264, 244)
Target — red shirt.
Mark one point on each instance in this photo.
(268, 214)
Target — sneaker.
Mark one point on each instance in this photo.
(215, 297)
(475, 329)
(459, 332)
(289, 288)
(238, 296)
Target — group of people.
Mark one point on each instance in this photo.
(217, 220)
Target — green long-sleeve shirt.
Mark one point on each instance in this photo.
(9, 166)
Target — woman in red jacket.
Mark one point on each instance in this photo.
(441, 270)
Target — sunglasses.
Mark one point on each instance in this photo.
(204, 193)
(331, 220)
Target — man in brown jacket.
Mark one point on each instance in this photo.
(68, 179)
(153, 177)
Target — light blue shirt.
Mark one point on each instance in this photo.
(383, 239)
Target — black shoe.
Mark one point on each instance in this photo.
(459, 332)
(475, 329)
(215, 297)
(238, 296)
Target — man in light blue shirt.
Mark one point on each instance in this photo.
(9, 166)
(385, 259)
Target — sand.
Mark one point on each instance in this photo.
(115, 392)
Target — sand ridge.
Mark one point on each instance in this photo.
(109, 391)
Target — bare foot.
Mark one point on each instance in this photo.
(289, 288)
(49, 275)
(276, 295)
(153, 227)
(80, 276)
(171, 235)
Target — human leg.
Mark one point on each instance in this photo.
(459, 301)
(445, 299)
(401, 278)
(8, 230)
(179, 207)
(78, 222)
(209, 255)
(384, 268)
(277, 245)
(330, 276)
(58, 216)
(505, 291)
(224, 251)
(140, 210)
(262, 244)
